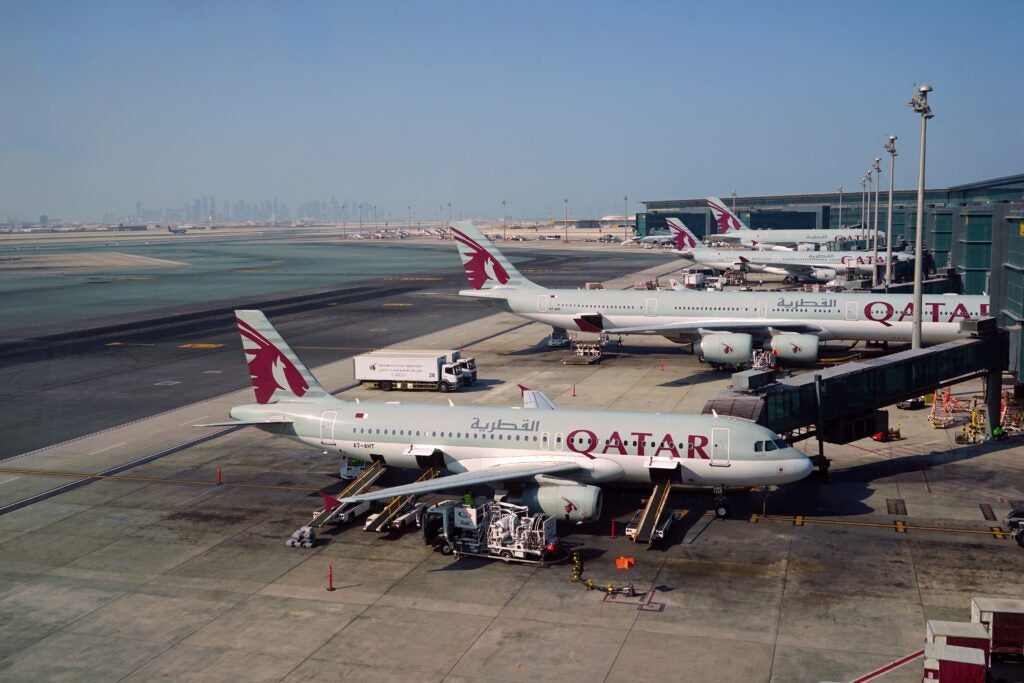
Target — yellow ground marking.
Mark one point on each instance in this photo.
(899, 525)
(199, 346)
(127, 344)
(398, 305)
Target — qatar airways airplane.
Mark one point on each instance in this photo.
(554, 461)
(816, 266)
(724, 326)
(732, 229)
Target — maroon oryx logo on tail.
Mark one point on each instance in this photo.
(269, 368)
(684, 238)
(479, 264)
(724, 218)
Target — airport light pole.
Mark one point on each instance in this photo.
(447, 231)
(360, 218)
(840, 222)
(409, 209)
(919, 103)
(890, 147)
(566, 220)
(874, 234)
(504, 221)
(863, 214)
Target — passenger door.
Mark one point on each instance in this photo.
(651, 308)
(720, 447)
(327, 419)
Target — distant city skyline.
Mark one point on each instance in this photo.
(410, 104)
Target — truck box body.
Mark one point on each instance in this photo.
(408, 371)
(1004, 618)
(466, 364)
(959, 633)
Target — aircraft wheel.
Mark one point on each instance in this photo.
(1020, 537)
(721, 511)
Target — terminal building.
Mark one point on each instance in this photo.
(976, 228)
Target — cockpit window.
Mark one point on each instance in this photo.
(781, 443)
(758, 446)
(770, 446)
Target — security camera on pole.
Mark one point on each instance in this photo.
(919, 103)
(890, 147)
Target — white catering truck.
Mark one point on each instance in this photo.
(408, 371)
(466, 364)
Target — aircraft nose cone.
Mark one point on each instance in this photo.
(802, 467)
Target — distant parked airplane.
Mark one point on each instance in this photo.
(732, 229)
(815, 266)
(724, 326)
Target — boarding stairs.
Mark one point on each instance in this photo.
(346, 512)
(401, 510)
(649, 526)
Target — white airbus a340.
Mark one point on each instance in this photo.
(732, 229)
(815, 266)
(554, 461)
(724, 326)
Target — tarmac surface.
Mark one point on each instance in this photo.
(157, 572)
(166, 336)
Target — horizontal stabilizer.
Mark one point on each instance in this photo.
(248, 423)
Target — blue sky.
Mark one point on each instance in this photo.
(417, 104)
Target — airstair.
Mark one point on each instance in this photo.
(401, 510)
(346, 512)
(648, 526)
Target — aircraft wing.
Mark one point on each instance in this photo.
(487, 475)
(739, 325)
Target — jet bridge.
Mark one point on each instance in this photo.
(844, 403)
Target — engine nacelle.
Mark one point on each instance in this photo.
(823, 274)
(723, 348)
(807, 247)
(802, 348)
(568, 502)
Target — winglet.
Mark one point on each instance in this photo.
(330, 502)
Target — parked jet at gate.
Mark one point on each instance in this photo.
(552, 460)
(724, 326)
(816, 266)
(732, 229)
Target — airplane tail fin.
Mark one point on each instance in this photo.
(727, 221)
(685, 239)
(486, 267)
(277, 373)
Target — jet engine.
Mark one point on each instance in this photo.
(802, 348)
(725, 348)
(569, 502)
(823, 274)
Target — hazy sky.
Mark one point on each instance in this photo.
(422, 103)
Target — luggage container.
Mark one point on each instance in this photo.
(959, 633)
(1004, 618)
(953, 664)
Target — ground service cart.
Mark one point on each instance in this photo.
(490, 529)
